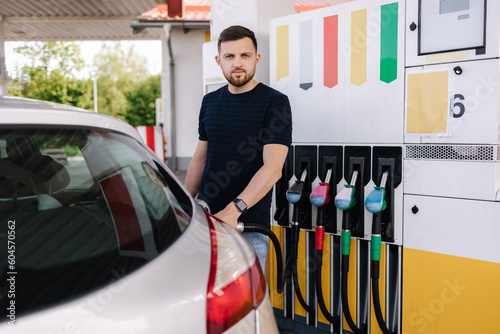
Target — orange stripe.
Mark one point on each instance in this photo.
(331, 48)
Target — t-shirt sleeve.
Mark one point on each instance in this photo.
(278, 122)
(202, 134)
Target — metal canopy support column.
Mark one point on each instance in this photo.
(3, 70)
(168, 95)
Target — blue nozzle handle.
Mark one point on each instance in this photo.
(375, 202)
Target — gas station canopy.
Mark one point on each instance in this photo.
(31, 20)
(62, 20)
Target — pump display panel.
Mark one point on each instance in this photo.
(451, 25)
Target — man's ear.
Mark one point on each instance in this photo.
(217, 60)
(258, 58)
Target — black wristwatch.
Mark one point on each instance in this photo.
(240, 205)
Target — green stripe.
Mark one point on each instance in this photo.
(389, 42)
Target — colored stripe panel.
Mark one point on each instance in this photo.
(282, 52)
(358, 46)
(331, 51)
(389, 42)
(306, 54)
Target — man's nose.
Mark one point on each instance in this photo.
(237, 62)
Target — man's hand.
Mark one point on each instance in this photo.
(229, 215)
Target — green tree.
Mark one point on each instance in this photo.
(118, 72)
(142, 102)
(50, 75)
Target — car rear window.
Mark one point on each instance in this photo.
(79, 209)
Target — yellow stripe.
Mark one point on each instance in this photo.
(447, 57)
(282, 52)
(325, 279)
(276, 298)
(449, 294)
(358, 47)
(207, 36)
(301, 273)
(375, 329)
(352, 282)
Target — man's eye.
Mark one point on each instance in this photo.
(230, 56)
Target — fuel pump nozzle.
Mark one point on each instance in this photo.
(375, 203)
(345, 198)
(295, 196)
(319, 198)
(345, 201)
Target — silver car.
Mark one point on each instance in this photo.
(98, 236)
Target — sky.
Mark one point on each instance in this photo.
(151, 49)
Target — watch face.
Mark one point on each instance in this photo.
(240, 205)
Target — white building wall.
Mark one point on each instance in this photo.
(188, 72)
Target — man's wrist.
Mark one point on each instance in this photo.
(240, 205)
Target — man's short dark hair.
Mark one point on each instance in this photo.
(234, 33)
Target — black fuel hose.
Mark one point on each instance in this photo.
(345, 300)
(376, 297)
(335, 320)
(375, 274)
(295, 279)
(277, 250)
(318, 256)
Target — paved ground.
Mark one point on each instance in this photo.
(181, 175)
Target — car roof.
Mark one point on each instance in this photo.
(23, 111)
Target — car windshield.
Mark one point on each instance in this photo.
(80, 208)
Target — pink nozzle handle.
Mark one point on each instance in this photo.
(320, 196)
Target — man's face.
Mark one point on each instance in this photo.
(238, 60)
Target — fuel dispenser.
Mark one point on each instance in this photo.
(406, 86)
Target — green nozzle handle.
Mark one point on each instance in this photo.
(376, 246)
(346, 242)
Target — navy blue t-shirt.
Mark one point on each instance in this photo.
(237, 126)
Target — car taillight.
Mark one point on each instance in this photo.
(236, 284)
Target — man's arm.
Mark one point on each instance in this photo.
(274, 156)
(195, 169)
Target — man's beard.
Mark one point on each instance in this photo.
(241, 81)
